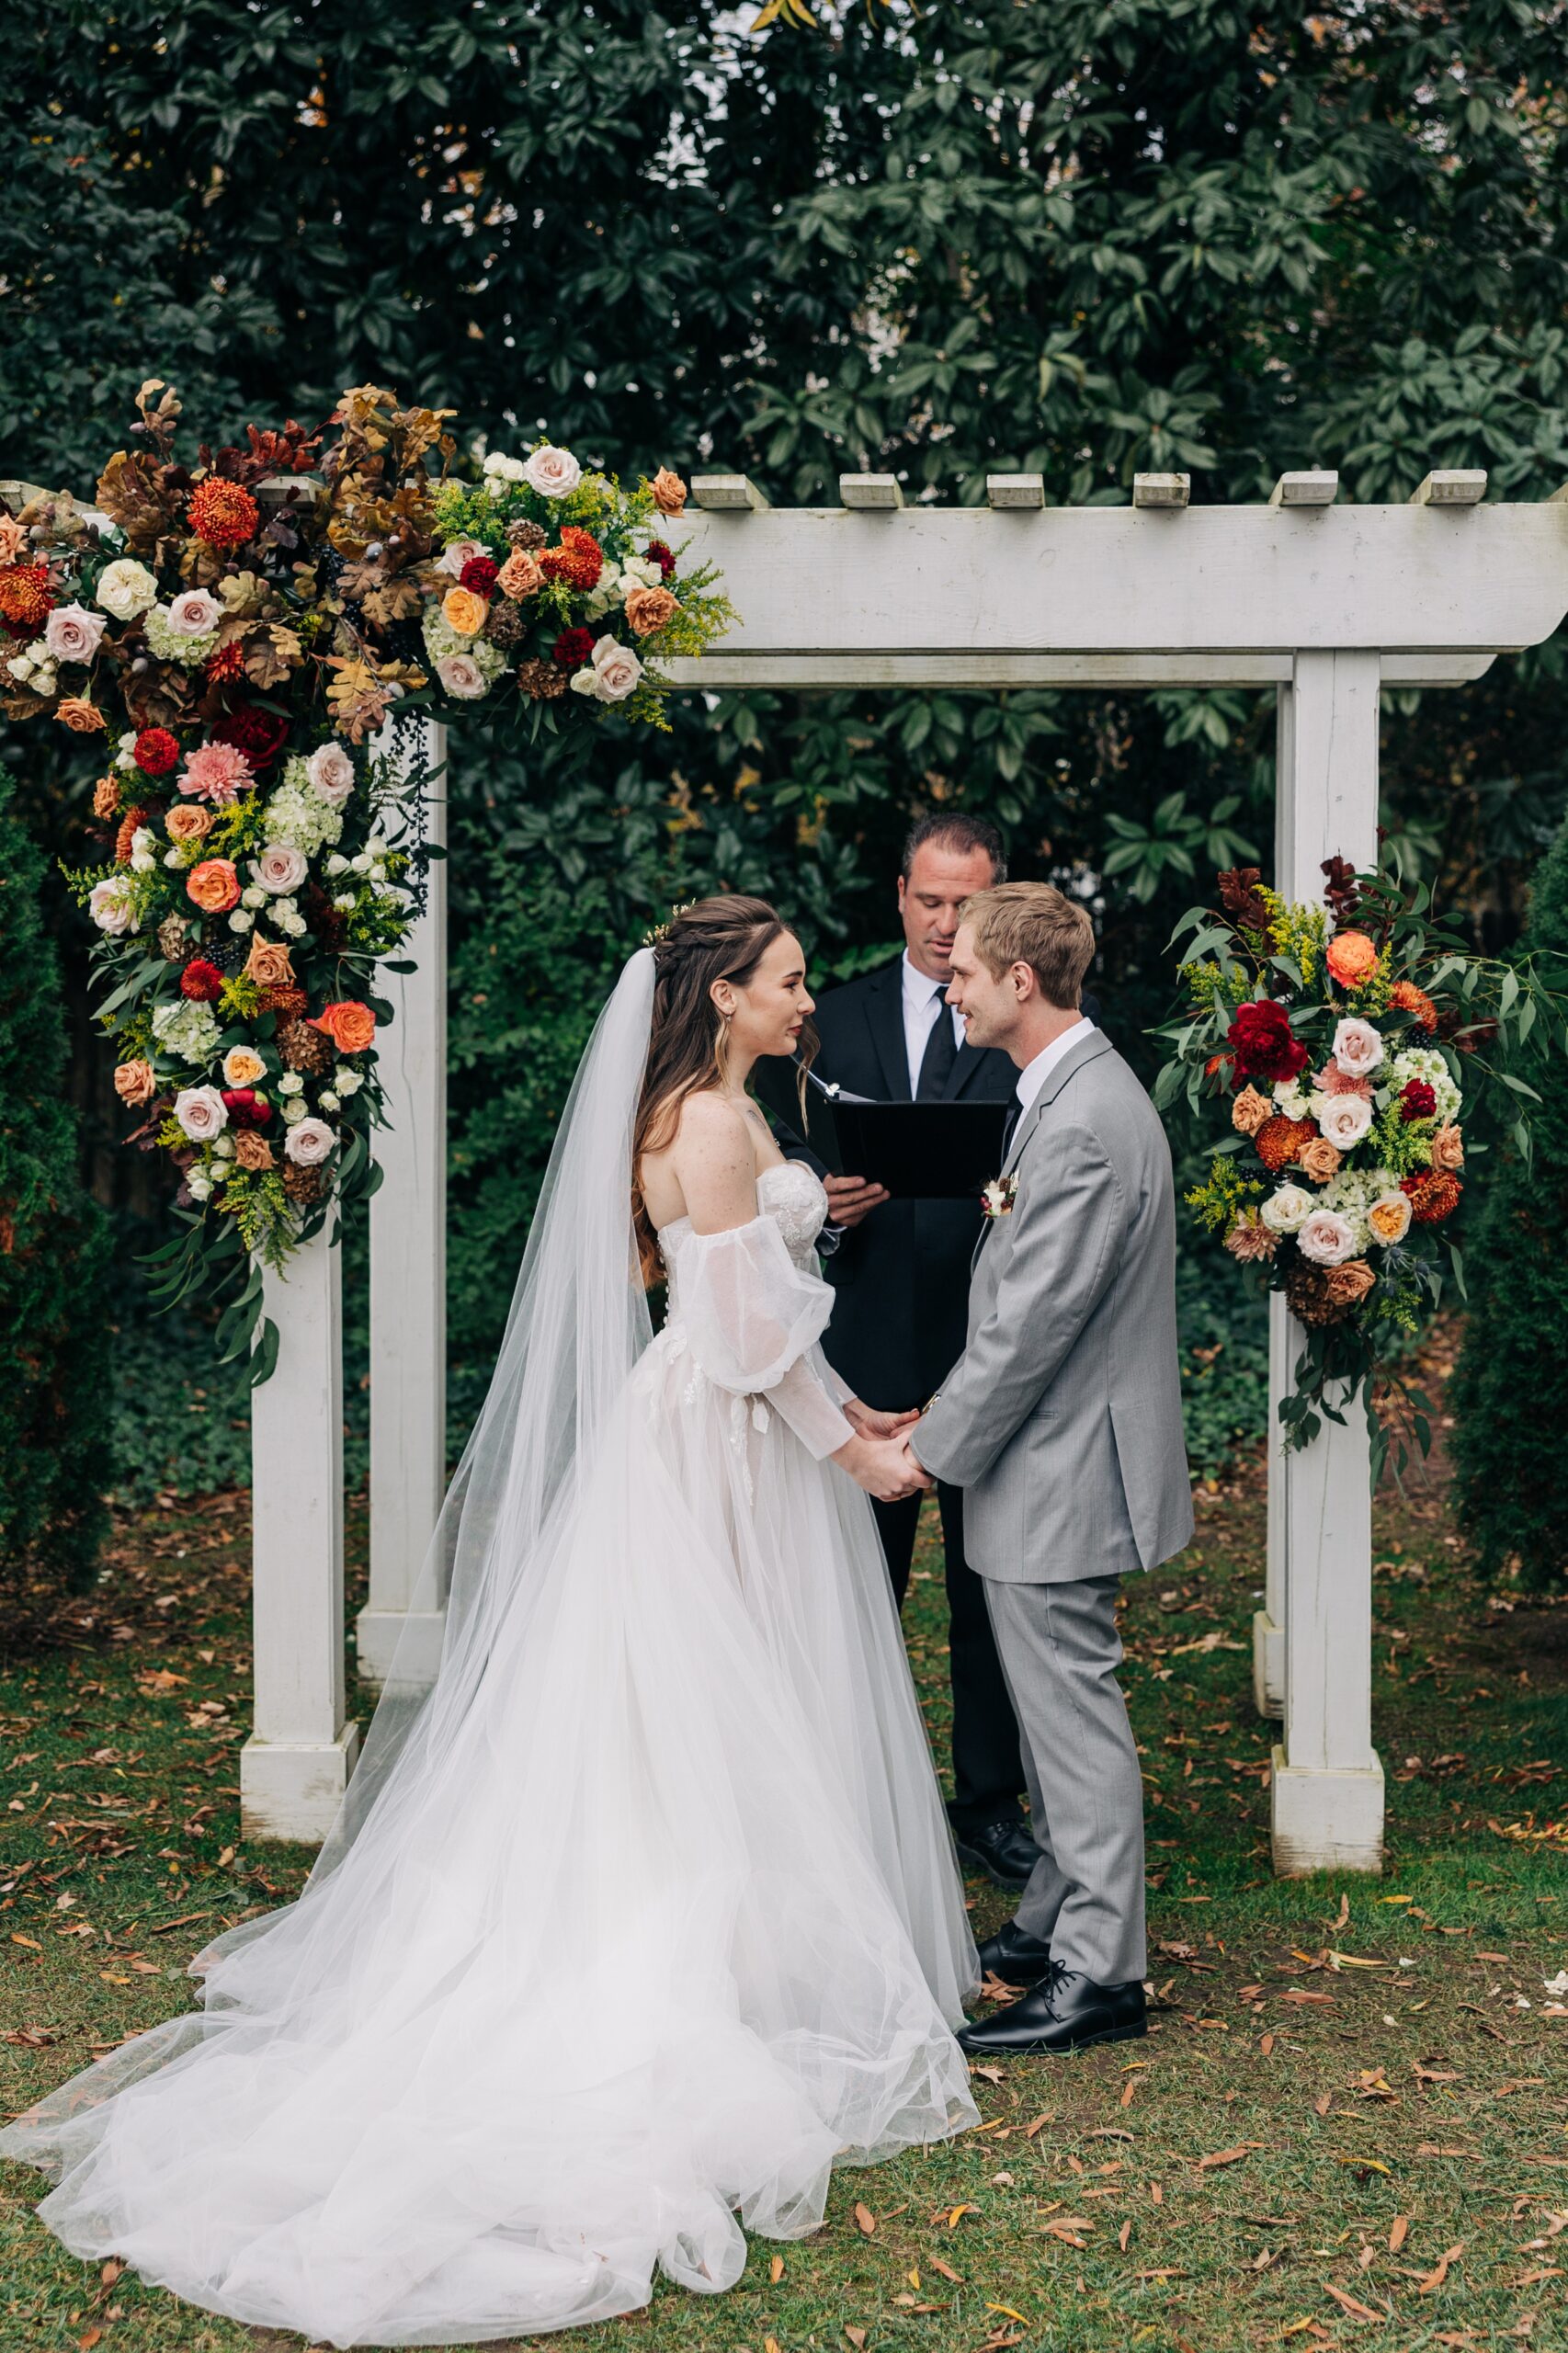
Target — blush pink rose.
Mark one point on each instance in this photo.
(73, 634)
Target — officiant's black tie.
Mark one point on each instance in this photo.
(937, 1062)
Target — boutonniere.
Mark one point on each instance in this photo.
(997, 1198)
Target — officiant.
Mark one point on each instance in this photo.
(901, 1272)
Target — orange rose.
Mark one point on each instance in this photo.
(105, 797)
(519, 576)
(267, 964)
(669, 491)
(1351, 958)
(214, 886)
(1448, 1149)
(251, 1152)
(134, 1081)
(1319, 1160)
(1347, 1285)
(83, 718)
(1249, 1112)
(649, 609)
(350, 1024)
(189, 822)
(464, 610)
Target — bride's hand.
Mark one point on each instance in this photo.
(869, 1423)
(884, 1466)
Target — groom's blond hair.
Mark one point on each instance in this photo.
(1033, 924)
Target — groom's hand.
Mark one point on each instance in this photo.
(851, 1199)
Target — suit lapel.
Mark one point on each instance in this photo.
(967, 1061)
(1088, 1050)
(884, 1017)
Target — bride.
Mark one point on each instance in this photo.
(643, 1914)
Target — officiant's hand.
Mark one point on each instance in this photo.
(873, 1423)
(851, 1199)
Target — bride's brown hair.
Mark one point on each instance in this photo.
(723, 938)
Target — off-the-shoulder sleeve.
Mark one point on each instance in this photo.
(751, 1317)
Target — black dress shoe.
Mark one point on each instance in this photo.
(1066, 2011)
(1014, 1956)
(1003, 1850)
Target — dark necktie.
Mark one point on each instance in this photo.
(941, 1052)
(1010, 1127)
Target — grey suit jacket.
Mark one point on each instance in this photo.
(1061, 1420)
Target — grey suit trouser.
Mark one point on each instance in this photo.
(1059, 1651)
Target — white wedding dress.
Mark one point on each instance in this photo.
(649, 1913)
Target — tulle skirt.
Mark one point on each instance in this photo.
(668, 1926)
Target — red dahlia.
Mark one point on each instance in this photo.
(577, 561)
(229, 661)
(25, 600)
(1418, 1100)
(572, 648)
(1261, 1041)
(223, 513)
(201, 981)
(155, 751)
(480, 573)
(259, 734)
(663, 557)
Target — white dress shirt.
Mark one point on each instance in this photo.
(1033, 1075)
(922, 1007)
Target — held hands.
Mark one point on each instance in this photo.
(851, 1199)
(885, 1467)
(869, 1423)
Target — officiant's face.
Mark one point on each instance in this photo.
(929, 897)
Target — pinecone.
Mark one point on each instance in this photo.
(304, 1184)
(506, 625)
(526, 535)
(173, 932)
(1306, 1295)
(541, 681)
(303, 1048)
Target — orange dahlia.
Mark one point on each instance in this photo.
(229, 661)
(25, 600)
(223, 513)
(1434, 1195)
(1279, 1141)
(1410, 999)
(578, 561)
(128, 824)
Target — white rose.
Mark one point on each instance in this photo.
(1287, 1211)
(328, 1100)
(309, 1142)
(253, 895)
(242, 919)
(458, 554)
(1344, 1120)
(294, 1107)
(461, 676)
(345, 902)
(126, 588)
(331, 772)
(109, 907)
(1325, 1237)
(290, 1083)
(72, 633)
(293, 925)
(346, 1080)
(224, 1147)
(174, 856)
(1358, 1048)
(194, 612)
(144, 851)
(280, 868)
(552, 472)
(199, 1186)
(641, 572)
(337, 863)
(201, 1113)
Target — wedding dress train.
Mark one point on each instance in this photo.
(644, 1928)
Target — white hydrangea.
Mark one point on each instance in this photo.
(442, 641)
(1426, 1062)
(1351, 1194)
(171, 645)
(188, 1031)
(299, 818)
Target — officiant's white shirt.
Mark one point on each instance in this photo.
(922, 1007)
(1033, 1075)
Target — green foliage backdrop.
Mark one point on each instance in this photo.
(1079, 239)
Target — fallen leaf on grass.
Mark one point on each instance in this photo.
(1364, 2164)
(857, 2337)
(1130, 2087)
(1362, 2311)
(864, 2220)
(1399, 2231)
(947, 2271)
(1297, 1995)
(957, 2213)
(1124, 2235)
(1228, 2156)
(1159, 2275)
(1322, 2104)
(1430, 2148)
(31, 1942)
(776, 2268)
(1010, 2313)
(1534, 2278)
(1048, 2118)
(1439, 2272)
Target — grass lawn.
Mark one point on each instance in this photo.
(1349, 2122)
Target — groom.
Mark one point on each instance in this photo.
(1062, 1422)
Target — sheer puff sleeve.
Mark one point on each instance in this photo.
(752, 1318)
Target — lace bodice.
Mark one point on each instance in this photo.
(790, 1194)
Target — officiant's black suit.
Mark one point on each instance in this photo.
(898, 1327)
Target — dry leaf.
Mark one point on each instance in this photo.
(866, 2220)
(1047, 2117)
(992, 2074)
(946, 2269)
(1322, 2104)
(1362, 2311)
(1267, 2045)
(1228, 2156)
(1439, 2272)
(1124, 2235)
(857, 2337)
(776, 2268)
(957, 2213)
(1130, 2087)
(1399, 2231)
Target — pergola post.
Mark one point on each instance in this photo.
(295, 1766)
(408, 1272)
(1327, 1808)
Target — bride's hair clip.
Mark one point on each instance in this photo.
(661, 931)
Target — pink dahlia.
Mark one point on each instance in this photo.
(1332, 1079)
(216, 772)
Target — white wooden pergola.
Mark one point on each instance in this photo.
(1321, 602)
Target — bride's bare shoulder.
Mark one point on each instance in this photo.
(710, 1133)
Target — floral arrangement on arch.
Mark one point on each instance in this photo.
(237, 642)
(1344, 1043)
